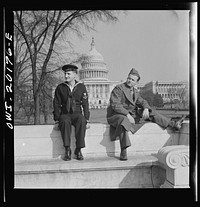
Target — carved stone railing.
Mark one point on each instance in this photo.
(175, 159)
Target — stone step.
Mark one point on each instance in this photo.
(139, 171)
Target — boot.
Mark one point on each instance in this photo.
(176, 125)
(123, 154)
(78, 154)
(67, 156)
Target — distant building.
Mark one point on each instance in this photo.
(167, 89)
(140, 86)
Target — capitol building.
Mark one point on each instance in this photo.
(94, 74)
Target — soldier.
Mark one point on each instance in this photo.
(71, 107)
(123, 112)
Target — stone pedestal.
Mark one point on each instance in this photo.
(184, 134)
(176, 162)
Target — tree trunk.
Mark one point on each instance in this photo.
(28, 119)
(45, 111)
(45, 118)
(37, 109)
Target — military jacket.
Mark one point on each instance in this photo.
(122, 101)
(66, 101)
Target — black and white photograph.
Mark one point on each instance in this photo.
(101, 99)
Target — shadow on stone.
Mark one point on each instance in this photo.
(144, 176)
(57, 144)
(108, 144)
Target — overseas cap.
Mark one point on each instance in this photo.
(135, 72)
(69, 67)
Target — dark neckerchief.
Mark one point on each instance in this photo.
(71, 103)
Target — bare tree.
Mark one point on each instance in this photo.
(22, 75)
(171, 94)
(184, 96)
(41, 30)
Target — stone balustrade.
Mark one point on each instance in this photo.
(175, 159)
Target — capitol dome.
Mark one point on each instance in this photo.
(93, 54)
(94, 75)
(93, 67)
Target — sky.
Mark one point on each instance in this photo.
(156, 43)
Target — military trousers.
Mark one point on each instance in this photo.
(120, 125)
(65, 125)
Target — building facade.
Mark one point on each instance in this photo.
(167, 89)
(94, 74)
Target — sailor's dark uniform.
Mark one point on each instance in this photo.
(71, 108)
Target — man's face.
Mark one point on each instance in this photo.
(70, 76)
(132, 80)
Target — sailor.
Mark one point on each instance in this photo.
(71, 107)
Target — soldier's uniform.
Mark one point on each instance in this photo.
(71, 108)
(123, 101)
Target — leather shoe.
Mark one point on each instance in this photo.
(123, 155)
(78, 154)
(178, 123)
(67, 156)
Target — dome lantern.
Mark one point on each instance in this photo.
(93, 54)
(92, 44)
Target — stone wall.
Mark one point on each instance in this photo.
(158, 158)
(43, 141)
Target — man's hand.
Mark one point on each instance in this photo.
(145, 114)
(87, 124)
(130, 118)
(56, 127)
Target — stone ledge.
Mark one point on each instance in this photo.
(139, 171)
(38, 163)
(89, 163)
(42, 141)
